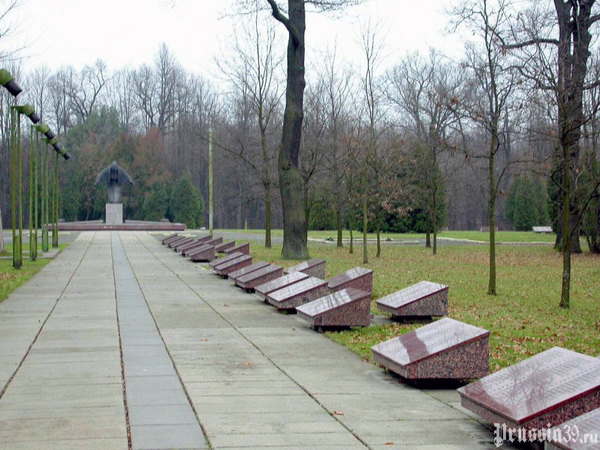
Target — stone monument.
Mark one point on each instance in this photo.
(114, 176)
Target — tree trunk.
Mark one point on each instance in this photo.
(365, 229)
(565, 294)
(492, 176)
(378, 254)
(268, 201)
(1, 232)
(351, 251)
(434, 221)
(339, 225)
(428, 232)
(290, 179)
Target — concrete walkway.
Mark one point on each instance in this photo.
(119, 341)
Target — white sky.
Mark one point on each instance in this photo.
(129, 32)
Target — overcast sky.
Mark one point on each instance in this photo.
(129, 32)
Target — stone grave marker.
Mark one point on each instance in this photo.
(169, 238)
(218, 262)
(202, 254)
(261, 276)
(246, 270)
(279, 283)
(346, 308)
(445, 349)
(551, 387)
(196, 243)
(211, 243)
(424, 299)
(242, 248)
(177, 247)
(543, 230)
(298, 293)
(312, 267)
(580, 433)
(177, 240)
(224, 246)
(357, 278)
(233, 265)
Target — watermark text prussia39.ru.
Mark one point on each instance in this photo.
(562, 434)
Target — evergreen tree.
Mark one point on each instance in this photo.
(186, 205)
(526, 205)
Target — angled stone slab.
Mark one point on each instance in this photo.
(218, 262)
(191, 248)
(196, 243)
(279, 283)
(177, 240)
(177, 246)
(546, 230)
(357, 278)
(298, 294)
(224, 246)
(241, 248)
(203, 254)
(210, 243)
(261, 276)
(312, 267)
(445, 349)
(233, 265)
(346, 308)
(169, 238)
(424, 299)
(246, 270)
(214, 242)
(584, 433)
(551, 387)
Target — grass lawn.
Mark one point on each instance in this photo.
(501, 236)
(11, 279)
(524, 318)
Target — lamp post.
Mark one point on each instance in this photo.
(33, 193)
(211, 192)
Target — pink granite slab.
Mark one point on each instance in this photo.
(233, 265)
(424, 299)
(168, 239)
(580, 433)
(214, 242)
(298, 293)
(177, 241)
(202, 254)
(224, 246)
(279, 283)
(312, 267)
(178, 245)
(246, 270)
(253, 279)
(196, 243)
(346, 308)
(223, 260)
(357, 278)
(551, 387)
(191, 247)
(446, 349)
(242, 248)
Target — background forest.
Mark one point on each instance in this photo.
(410, 142)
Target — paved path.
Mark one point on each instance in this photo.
(120, 338)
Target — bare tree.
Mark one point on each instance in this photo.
(85, 89)
(428, 93)
(293, 18)
(252, 71)
(560, 65)
(493, 83)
